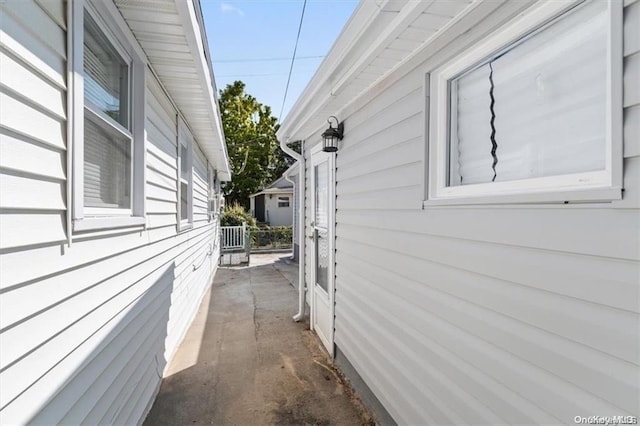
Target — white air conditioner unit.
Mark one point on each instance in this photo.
(214, 205)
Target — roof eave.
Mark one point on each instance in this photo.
(193, 94)
(215, 148)
(348, 73)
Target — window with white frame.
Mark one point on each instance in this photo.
(108, 135)
(533, 109)
(283, 201)
(185, 181)
(213, 196)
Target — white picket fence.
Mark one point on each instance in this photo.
(233, 237)
(234, 245)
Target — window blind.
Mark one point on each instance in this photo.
(184, 200)
(107, 168)
(106, 74)
(107, 149)
(546, 96)
(471, 128)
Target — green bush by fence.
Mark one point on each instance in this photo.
(235, 215)
(272, 237)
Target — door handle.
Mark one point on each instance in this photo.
(312, 237)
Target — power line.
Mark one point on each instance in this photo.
(252, 75)
(228, 61)
(293, 59)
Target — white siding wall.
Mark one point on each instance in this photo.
(87, 329)
(296, 206)
(278, 216)
(490, 315)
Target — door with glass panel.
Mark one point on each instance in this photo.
(322, 261)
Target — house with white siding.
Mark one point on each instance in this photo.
(470, 246)
(111, 158)
(273, 204)
(292, 175)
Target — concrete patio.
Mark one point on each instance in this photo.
(245, 362)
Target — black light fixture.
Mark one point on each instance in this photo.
(332, 135)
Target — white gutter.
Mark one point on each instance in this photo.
(301, 224)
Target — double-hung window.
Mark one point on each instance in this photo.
(185, 181)
(213, 195)
(532, 113)
(108, 120)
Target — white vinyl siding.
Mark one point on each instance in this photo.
(517, 314)
(85, 329)
(33, 90)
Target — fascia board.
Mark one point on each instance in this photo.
(194, 36)
(360, 22)
(474, 13)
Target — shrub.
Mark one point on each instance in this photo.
(272, 237)
(235, 215)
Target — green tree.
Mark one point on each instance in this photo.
(250, 131)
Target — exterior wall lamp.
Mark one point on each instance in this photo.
(332, 135)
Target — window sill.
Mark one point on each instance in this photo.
(100, 223)
(185, 226)
(591, 195)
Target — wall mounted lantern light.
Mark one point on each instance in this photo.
(332, 135)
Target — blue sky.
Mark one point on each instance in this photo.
(243, 30)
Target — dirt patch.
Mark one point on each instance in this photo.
(342, 385)
(296, 414)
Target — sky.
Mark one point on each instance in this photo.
(241, 31)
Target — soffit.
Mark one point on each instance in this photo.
(391, 34)
(170, 33)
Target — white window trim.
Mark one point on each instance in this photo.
(212, 209)
(184, 134)
(600, 186)
(111, 23)
(284, 199)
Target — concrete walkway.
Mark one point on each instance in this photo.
(245, 362)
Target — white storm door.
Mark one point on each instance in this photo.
(322, 259)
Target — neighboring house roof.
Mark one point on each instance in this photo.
(273, 191)
(382, 41)
(172, 34)
(281, 182)
(278, 186)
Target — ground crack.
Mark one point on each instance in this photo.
(256, 325)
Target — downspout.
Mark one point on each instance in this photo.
(301, 225)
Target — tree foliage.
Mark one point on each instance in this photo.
(250, 131)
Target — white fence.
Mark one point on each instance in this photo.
(234, 245)
(233, 237)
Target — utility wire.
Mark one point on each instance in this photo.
(251, 75)
(293, 59)
(228, 61)
(258, 75)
